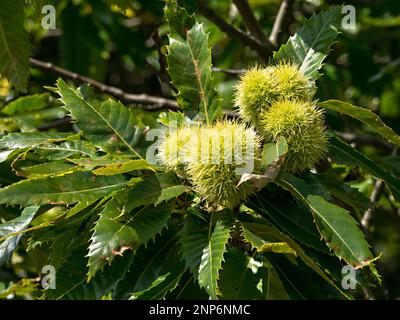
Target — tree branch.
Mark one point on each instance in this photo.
(249, 19)
(375, 196)
(163, 73)
(276, 29)
(56, 124)
(233, 72)
(152, 103)
(263, 50)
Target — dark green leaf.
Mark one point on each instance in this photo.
(14, 44)
(300, 282)
(108, 124)
(67, 189)
(179, 21)
(262, 230)
(45, 169)
(344, 153)
(310, 45)
(65, 149)
(71, 282)
(25, 104)
(162, 285)
(240, 277)
(16, 225)
(365, 116)
(288, 216)
(31, 139)
(155, 190)
(336, 225)
(118, 230)
(123, 167)
(203, 240)
(150, 261)
(189, 66)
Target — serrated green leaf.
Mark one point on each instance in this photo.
(310, 45)
(71, 282)
(109, 124)
(123, 167)
(71, 188)
(358, 201)
(8, 228)
(162, 285)
(14, 44)
(261, 229)
(26, 104)
(52, 151)
(179, 21)
(299, 281)
(189, 66)
(240, 277)
(49, 232)
(118, 230)
(90, 164)
(30, 121)
(45, 169)
(20, 140)
(149, 262)
(203, 242)
(155, 190)
(342, 152)
(188, 289)
(288, 216)
(212, 258)
(365, 116)
(338, 228)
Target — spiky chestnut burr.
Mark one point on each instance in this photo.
(259, 87)
(302, 124)
(219, 154)
(172, 147)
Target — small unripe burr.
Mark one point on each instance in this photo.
(224, 151)
(259, 87)
(212, 158)
(171, 149)
(301, 123)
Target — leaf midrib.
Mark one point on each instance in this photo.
(77, 191)
(198, 77)
(3, 37)
(106, 121)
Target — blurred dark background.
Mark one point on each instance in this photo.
(120, 46)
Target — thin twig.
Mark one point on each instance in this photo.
(56, 124)
(276, 28)
(162, 73)
(375, 196)
(249, 19)
(263, 50)
(151, 102)
(233, 72)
